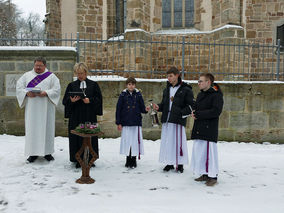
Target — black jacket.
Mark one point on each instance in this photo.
(180, 106)
(208, 107)
(129, 108)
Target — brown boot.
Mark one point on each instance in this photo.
(202, 178)
(211, 182)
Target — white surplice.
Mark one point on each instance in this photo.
(39, 113)
(204, 159)
(131, 139)
(173, 149)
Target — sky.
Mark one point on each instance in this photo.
(27, 6)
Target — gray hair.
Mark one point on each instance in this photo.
(41, 59)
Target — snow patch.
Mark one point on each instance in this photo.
(195, 31)
(36, 48)
(120, 78)
(251, 176)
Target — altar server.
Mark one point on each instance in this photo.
(209, 105)
(129, 107)
(176, 105)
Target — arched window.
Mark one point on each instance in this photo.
(177, 13)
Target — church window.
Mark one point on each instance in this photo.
(280, 35)
(120, 8)
(177, 13)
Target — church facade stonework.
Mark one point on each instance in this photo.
(259, 18)
(196, 21)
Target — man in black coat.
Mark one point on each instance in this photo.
(175, 107)
(82, 109)
(208, 107)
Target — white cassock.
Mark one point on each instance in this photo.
(173, 150)
(131, 138)
(204, 159)
(39, 113)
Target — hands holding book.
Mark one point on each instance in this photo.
(32, 94)
(77, 98)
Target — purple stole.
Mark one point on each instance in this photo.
(39, 78)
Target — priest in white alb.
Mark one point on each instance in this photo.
(39, 92)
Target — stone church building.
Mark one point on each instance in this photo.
(196, 21)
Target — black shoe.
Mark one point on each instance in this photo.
(133, 162)
(127, 164)
(168, 168)
(78, 165)
(31, 159)
(49, 157)
(180, 168)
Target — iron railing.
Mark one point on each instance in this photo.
(151, 56)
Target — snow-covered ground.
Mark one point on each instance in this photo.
(251, 180)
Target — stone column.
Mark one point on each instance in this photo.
(53, 21)
(156, 15)
(138, 14)
(90, 17)
(226, 12)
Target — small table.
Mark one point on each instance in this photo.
(85, 163)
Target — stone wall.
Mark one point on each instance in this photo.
(226, 12)
(262, 18)
(259, 18)
(252, 111)
(90, 17)
(211, 55)
(13, 64)
(223, 51)
(138, 14)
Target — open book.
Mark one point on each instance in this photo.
(33, 89)
(185, 116)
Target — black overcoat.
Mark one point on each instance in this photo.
(79, 112)
(208, 107)
(180, 106)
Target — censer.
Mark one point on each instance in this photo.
(153, 115)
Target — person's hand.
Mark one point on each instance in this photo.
(42, 94)
(75, 98)
(86, 100)
(119, 127)
(155, 107)
(192, 115)
(148, 108)
(31, 94)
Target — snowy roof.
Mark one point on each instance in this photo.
(195, 31)
(36, 48)
(135, 30)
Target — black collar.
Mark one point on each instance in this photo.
(178, 83)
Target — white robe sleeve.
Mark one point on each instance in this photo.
(21, 91)
(54, 92)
